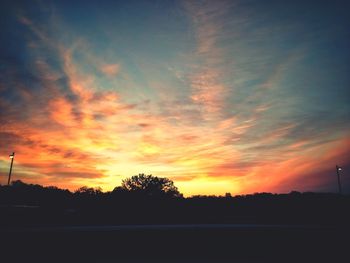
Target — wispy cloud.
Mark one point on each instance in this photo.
(208, 91)
(110, 70)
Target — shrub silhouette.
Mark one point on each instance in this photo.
(151, 186)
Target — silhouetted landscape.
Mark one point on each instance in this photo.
(147, 219)
(148, 199)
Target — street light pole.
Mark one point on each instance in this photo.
(339, 184)
(12, 157)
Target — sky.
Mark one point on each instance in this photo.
(218, 96)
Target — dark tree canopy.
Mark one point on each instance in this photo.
(89, 190)
(151, 186)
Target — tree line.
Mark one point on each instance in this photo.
(147, 199)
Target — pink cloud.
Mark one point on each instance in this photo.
(110, 70)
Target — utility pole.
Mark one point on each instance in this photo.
(338, 175)
(12, 157)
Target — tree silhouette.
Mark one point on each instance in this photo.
(84, 190)
(151, 186)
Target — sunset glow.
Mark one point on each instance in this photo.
(218, 96)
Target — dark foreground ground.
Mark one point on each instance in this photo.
(50, 225)
(175, 243)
